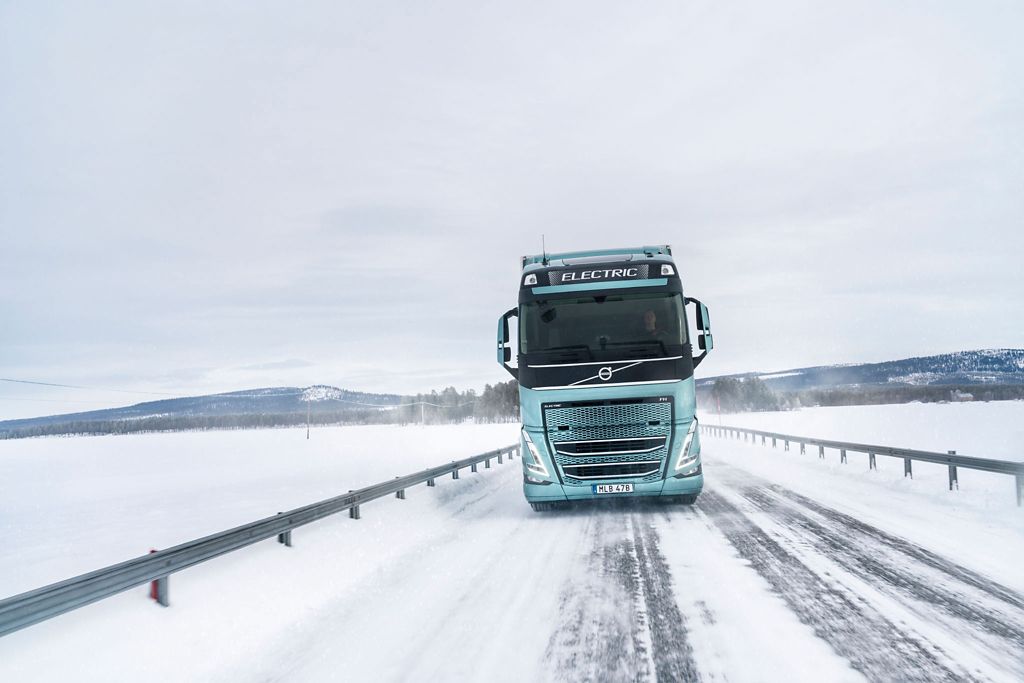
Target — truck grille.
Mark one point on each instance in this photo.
(610, 446)
(609, 440)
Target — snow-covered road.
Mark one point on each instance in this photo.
(755, 582)
(787, 568)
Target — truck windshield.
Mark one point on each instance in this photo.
(605, 327)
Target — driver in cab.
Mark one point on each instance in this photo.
(651, 329)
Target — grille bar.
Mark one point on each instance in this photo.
(621, 470)
(610, 446)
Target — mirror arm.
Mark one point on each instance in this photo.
(512, 312)
(699, 323)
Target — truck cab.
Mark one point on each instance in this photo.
(605, 370)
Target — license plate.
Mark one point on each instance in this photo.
(611, 488)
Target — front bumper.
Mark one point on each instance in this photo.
(541, 493)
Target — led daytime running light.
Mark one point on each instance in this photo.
(684, 459)
(537, 465)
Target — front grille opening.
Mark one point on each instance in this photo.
(610, 446)
(611, 471)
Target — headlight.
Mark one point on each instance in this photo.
(538, 464)
(685, 459)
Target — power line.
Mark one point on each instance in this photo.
(78, 386)
(49, 400)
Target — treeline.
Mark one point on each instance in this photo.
(731, 395)
(498, 403)
(751, 394)
(876, 395)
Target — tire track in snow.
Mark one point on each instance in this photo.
(872, 644)
(917, 588)
(620, 617)
(851, 552)
(600, 636)
(673, 654)
(915, 552)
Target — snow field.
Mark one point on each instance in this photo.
(248, 611)
(465, 582)
(71, 505)
(979, 525)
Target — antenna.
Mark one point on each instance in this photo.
(543, 249)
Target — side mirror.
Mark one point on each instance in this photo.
(504, 349)
(705, 340)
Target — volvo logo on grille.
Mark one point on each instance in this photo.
(605, 374)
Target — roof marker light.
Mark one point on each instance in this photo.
(667, 269)
(530, 279)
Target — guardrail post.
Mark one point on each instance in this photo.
(430, 482)
(487, 464)
(400, 494)
(353, 512)
(954, 485)
(803, 448)
(1020, 489)
(455, 473)
(842, 455)
(472, 468)
(872, 465)
(500, 461)
(908, 470)
(821, 452)
(160, 591)
(285, 537)
(763, 442)
(158, 588)
(773, 442)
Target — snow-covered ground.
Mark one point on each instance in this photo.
(979, 524)
(788, 568)
(70, 505)
(984, 430)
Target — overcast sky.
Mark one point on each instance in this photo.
(201, 196)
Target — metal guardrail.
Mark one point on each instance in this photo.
(950, 458)
(40, 604)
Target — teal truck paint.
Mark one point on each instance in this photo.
(605, 369)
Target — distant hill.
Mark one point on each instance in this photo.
(961, 369)
(253, 407)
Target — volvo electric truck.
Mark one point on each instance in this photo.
(605, 369)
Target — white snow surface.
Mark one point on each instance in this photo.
(465, 582)
(986, 430)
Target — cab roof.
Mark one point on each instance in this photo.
(579, 258)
